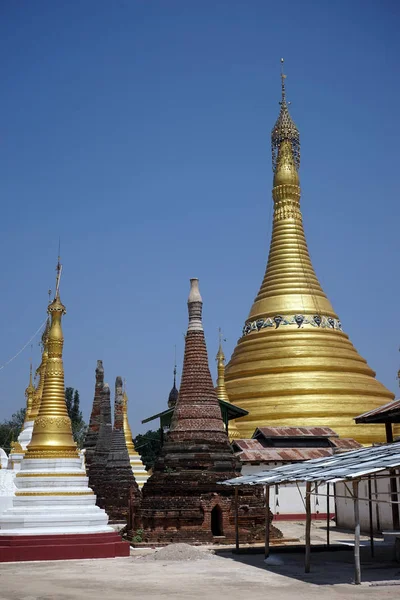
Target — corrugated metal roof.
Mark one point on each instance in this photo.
(283, 454)
(346, 443)
(386, 409)
(295, 432)
(347, 465)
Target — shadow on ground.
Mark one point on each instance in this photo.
(327, 567)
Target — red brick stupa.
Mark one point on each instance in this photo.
(182, 501)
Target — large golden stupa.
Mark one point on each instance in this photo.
(294, 365)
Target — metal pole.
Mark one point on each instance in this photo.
(328, 517)
(378, 523)
(237, 517)
(395, 507)
(308, 527)
(357, 565)
(266, 495)
(371, 522)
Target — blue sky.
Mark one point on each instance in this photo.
(139, 132)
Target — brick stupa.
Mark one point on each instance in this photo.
(96, 469)
(95, 417)
(119, 487)
(182, 501)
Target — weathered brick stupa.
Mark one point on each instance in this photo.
(96, 470)
(94, 423)
(120, 487)
(54, 513)
(294, 365)
(182, 500)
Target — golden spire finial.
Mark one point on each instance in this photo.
(29, 394)
(220, 358)
(283, 77)
(52, 433)
(285, 129)
(126, 427)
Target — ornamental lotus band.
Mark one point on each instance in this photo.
(294, 365)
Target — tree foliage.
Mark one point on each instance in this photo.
(75, 414)
(149, 447)
(10, 429)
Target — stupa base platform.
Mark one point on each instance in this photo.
(19, 548)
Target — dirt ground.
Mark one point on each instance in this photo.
(215, 577)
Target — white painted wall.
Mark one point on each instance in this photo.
(381, 513)
(7, 489)
(286, 499)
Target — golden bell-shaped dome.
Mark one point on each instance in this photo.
(294, 365)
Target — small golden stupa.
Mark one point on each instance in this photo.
(138, 468)
(222, 394)
(294, 365)
(41, 371)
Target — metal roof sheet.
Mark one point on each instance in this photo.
(380, 412)
(283, 454)
(347, 465)
(295, 432)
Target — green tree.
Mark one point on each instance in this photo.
(149, 447)
(69, 394)
(11, 428)
(75, 414)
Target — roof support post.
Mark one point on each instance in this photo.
(237, 517)
(308, 527)
(266, 496)
(328, 517)
(371, 522)
(357, 564)
(389, 432)
(394, 498)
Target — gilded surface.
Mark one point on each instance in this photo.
(222, 394)
(41, 371)
(127, 430)
(29, 395)
(299, 372)
(52, 433)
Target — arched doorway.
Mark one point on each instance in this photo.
(216, 521)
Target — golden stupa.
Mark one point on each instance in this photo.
(52, 433)
(294, 365)
(222, 394)
(138, 468)
(41, 371)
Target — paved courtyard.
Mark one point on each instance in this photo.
(224, 575)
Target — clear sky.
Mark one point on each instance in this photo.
(139, 132)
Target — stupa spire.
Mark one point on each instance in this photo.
(52, 433)
(233, 431)
(29, 394)
(138, 468)
(41, 371)
(173, 395)
(294, 365)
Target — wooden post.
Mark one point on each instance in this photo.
(357, 565)
(389, 433)
(371, 522)
(328, 517)
(266, 495)
(308, 527)
(237, 517)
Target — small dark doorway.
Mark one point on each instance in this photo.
(216, 521)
